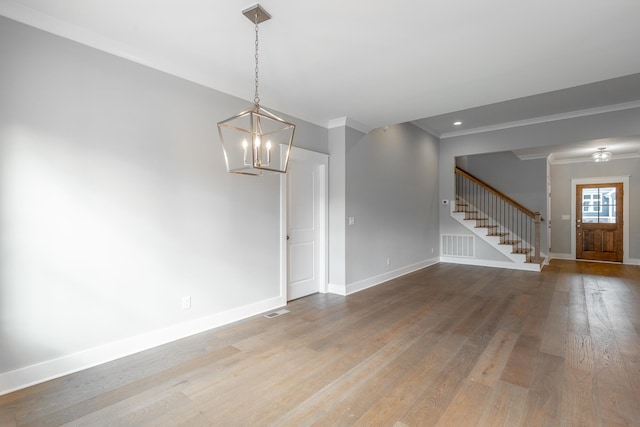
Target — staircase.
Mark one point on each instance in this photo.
(499, 220)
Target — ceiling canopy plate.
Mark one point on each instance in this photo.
(250, 13)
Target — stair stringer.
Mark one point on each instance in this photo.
(494, 241)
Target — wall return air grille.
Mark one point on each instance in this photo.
(457, 246)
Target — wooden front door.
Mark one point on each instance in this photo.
(599, 222)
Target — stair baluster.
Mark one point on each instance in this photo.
(502, 216)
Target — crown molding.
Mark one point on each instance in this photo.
(590, 160)
(41, 21)
(426, 128)
(532, 156)
(347, 122)
(337, 123)
(544, 119)
(50, 24)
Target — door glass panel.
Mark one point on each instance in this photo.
(599, 205)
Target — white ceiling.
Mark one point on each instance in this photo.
(375, 62)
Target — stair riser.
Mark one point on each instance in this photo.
(501, 239)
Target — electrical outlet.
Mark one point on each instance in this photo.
(186, 302)
(388, 262)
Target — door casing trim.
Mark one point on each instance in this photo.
(625, 209)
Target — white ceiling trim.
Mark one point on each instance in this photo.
(536, 156)
(590, 160)
(347, 122)
(337, 123)
(544, 119)
(55, 26)
(426, 129)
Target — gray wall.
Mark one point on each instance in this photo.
(392, 193)
(114, 201)
(561, 201)
(525, 181)
(623, 123)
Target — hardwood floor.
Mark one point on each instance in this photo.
(449, 345)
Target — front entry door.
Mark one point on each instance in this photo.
(306, 222)
(599, 222)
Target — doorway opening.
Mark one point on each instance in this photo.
(599, 220)
(599, 212)
(304, 192)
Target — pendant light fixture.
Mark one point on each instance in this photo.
(255, 141)
(601, 155)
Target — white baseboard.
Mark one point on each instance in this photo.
(628, 261)
(332, 288)
(489, 263)
(561, 256)
(55, 368)
(376, 280)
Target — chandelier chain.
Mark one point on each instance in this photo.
(256, 98)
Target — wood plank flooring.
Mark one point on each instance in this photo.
(449, 345)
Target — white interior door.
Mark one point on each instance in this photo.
(306, 223)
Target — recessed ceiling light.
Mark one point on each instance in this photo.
(458, 123)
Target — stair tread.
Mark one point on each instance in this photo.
(483, 219)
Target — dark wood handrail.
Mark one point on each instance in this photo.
(498, 193)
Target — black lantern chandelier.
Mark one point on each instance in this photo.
(256, 141)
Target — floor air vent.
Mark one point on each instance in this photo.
(276, 313)
(458, 246)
